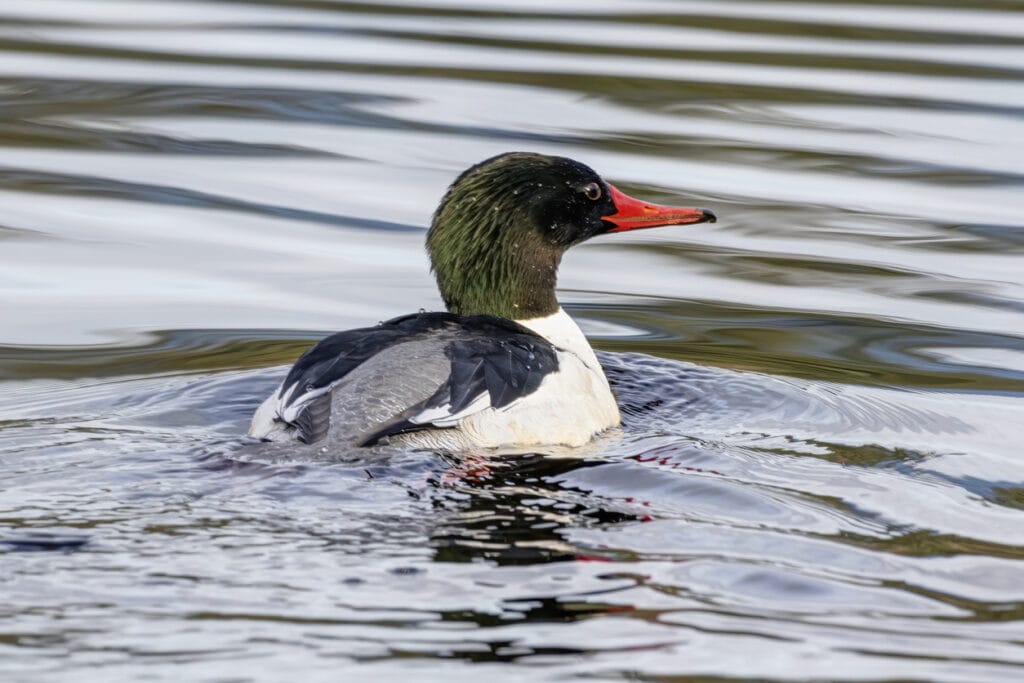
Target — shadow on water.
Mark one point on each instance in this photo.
(515, 511)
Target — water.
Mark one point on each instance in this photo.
(819, 475)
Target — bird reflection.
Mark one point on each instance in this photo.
(514, 511)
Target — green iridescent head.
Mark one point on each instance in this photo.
(498, 236)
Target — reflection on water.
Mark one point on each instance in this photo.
(819, 472)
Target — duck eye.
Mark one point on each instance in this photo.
(592, 191)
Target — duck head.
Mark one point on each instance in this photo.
(498, 235)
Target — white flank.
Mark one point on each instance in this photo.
(570, 406)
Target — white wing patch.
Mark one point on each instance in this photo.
(442, 416)
(265, 421)
(272, 417)
(291, 412)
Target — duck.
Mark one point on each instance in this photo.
(504, 366)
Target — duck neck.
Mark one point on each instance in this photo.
(562, 331)
(484, 268)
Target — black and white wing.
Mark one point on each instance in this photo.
(425, 371)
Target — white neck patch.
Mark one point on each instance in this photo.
(562, 331)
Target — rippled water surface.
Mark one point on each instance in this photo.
(819, 475)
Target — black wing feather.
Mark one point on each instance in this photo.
(463, 383)
(506, 367)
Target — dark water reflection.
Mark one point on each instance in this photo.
(819, 472)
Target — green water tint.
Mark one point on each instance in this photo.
(827, 348)
(820, 347)
(178, 352)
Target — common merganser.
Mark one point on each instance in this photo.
(505, 366)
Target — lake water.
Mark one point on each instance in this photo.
(820, 472)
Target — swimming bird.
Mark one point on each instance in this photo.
(505, 366)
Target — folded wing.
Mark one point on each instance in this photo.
(426, 371)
